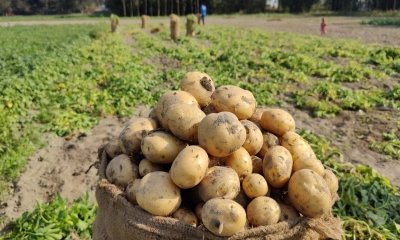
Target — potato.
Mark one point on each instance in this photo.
(120, 170)
(216, 161)
(242, 198)
(183, 121)
(255, 185)
(223, 217)
(112, 149)
(131, 191)
(255, 118)
(161, 147)
(269, 140)
(309, 163)
(189, 167)
(297, 146)
(145, 167)
(209, 109)
(219, 182)
(170, 98)
(287, 212)
(257, 164)
(133, 133)
(158, 194)
(263, 211)
(240, 161)
(277, 121)
(332, 181)
(254, 137)
(234, 99)
(220, 134)
(309, 193)
(153, 115)
(185, 215)
(277, 166)
(200, 85)
(197, 211)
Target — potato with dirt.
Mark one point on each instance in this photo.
(133, 133)
(277, 166)
(288, 212)
(158, 194)
(309, 163)
(257, 163)
(255, 185)
(161, 147)
(223, 217)
(309, 193)
(200, 85)
(263, 211)
(297, 146)
(229, 98)
(131, 191)
(183, 121)
(219, 182)
(269, 140)
(254, 137)
(189, 167)
(185, 215)
(145, 167)
(277, 121)
(170, 98)
(240, 161)
(112, 149)
(121, 170)
(255, 118)
(220, 134)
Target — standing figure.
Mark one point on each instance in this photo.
(203, 10)
(323, 27)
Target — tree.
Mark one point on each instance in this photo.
(5, 7)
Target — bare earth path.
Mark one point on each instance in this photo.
(62, 164)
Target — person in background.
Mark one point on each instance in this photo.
(203, 10)
(323, 27)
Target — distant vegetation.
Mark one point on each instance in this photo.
(383, 22)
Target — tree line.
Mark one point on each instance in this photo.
(184, 7)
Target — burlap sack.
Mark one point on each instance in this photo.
(190, 28)
(144, 18)
(175, 28)
(118, 219)
(199, 19)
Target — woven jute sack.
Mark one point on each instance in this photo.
(118, 219)
(144, 18)
(175, 27)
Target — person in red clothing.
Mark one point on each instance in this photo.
(323, 27)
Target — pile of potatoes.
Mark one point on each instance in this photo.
(212, 157)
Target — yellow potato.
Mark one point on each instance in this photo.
(297, 146)
(145, 167)
(256, 117)
(158, 194)
(257, 164)
(189, 167)
(197, 211)
(220, 134)
(255, 185)
(277, 166)
(332, 181)
(241, 162)
(112, 149)
(309, 163)
(309, 193)
(185, 215)
(254, 137)
(223, 217)
(133, 133)
(200, 85)
(170, 98)
(216, 161)
(161, 147)
(269, 140)
(219, 182)
(234, 99)
(183, 121)
(209, 109)
(121, 170)
(131, 190)
(288, 212)
(263, 211)
(277, 121)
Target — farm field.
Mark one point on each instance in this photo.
(82, 84)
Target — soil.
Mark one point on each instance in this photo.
(63, 165)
